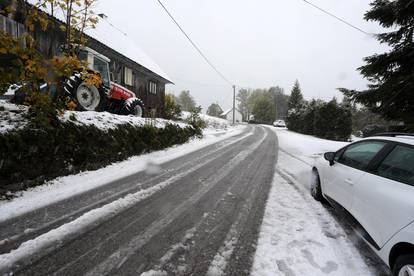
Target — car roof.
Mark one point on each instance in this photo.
(409, 140)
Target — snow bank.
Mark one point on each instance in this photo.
(212, 122)
(12, 116)
(297, 153)
(305, 146)
(106, 120)
(299, 237)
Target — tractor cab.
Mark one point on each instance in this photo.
(98, 63)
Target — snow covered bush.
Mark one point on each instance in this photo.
(194, 118)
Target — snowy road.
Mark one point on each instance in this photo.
(200, 214)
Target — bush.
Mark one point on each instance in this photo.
(172, 110)
(194, 119)
(327, 120)
(30, 156)
(333, 122)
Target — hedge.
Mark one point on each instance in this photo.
(28, 157)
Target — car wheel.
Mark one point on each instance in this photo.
(404, 265)
(315, 187)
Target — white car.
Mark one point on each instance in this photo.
(373, 181)
(279, 123)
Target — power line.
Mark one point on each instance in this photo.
(336, 17)
(194, 45)
(199, 83)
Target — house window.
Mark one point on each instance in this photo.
(152, 87)
(128, 77)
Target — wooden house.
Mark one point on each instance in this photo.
(130, 66)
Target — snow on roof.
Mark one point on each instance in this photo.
(228, 111)
(107, 34)
(112, 37)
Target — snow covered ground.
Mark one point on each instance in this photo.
(299, 236)
(212, 122)
(297, 153)
(13, 117)
(106, 120)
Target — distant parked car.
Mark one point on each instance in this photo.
(373, 181)
(371, 130)
(252, 120)
(279, 123)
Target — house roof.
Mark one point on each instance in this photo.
(112, 37)
(120, 42)
(228, 111)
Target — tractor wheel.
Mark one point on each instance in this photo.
(134, 107)
(87, 98)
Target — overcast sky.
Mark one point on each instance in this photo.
(255, 44)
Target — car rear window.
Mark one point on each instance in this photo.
(359, 155)
(399, 165)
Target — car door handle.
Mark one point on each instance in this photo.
(349, 182)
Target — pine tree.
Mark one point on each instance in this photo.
(296, 97)
(333, 121)
(391, 74)
(295, 114)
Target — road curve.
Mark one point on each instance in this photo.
(202, 220)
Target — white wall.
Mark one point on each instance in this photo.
(238, 116)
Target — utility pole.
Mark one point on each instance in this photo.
(234, 103)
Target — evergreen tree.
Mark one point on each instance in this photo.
(391, 74)
(296, 110)
(214, 110)
(296, 97)
(333, 121)
(309, 117)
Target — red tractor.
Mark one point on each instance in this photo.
(109, 96)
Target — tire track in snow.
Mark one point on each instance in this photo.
(112, 262)
(191, 257)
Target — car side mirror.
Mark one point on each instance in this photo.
(330, 156)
